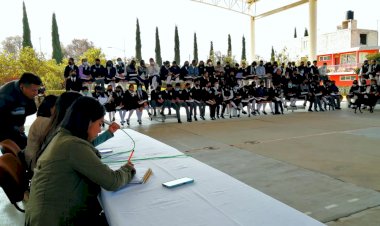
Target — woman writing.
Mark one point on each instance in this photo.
(69, 174)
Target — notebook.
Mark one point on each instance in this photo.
(142, 175)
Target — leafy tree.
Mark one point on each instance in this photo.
(57, 51)
(374, 56)
(77, 47)
(229, 50)
(12, 44)
(177, 56)
(283, 56)
(243, 55)
(138, 42)
(295, 32)
(158, 49)
(26, 40)
(195, 52)
(94, 53)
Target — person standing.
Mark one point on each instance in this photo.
(16, 103)
(71, 66)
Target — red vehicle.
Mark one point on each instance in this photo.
(341, 66)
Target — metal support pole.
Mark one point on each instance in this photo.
(253, 47)
(312, 29)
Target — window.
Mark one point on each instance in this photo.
(324, 58)
(347, 78)
(349, 58)
(363, 39)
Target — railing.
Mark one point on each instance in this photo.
(343, 68)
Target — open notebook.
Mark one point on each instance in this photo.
(142, 175)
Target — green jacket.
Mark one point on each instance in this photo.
(67, 181)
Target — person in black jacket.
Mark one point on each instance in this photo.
(98, 73)
(73, 82)
(110, 72)
(196, 95)
(71, 66)
(16, 103)
(143, 103)
(130, 101)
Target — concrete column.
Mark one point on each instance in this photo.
(312, 29)
(253, 47)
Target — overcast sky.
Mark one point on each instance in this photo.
(112, 23)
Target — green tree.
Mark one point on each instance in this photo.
(57, 50)
(272, 55)
(243, 55)
(229, 50)
(295, 32)
(195, 53)
(138, 42)
(177, 56)
(374, 56)
(211, 55)
(158, 49)
(94, 53)
(26, 39)
(306, 33)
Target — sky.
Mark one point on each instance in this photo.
(111, 24)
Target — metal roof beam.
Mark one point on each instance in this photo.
(283, 8)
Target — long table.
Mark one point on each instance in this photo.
(214, 198)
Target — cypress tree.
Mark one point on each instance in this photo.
(158, 49)
(177, 57)
(26, 40)
(295, 32)
(57, 51)
(243, 55)
(229, 51)
(195, 53)
(306, 32)
(138, 42)
(272, 59)
(212, 53)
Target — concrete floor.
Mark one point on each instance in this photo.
(325, 164)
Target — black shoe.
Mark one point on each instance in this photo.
(244, 112)
(139, 121)
(128, 122)
(338, 108)
(272, 113)
(276, 113)
(203, 118)
(238, 115)
(113, 119)
(321, 110)
(195, 118)
(264, 113)
(310, 110)
(222, 116)
(189, 120)
(217, 116)
(179, 121)
(253, 112)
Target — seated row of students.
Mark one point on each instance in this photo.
(363, 94)
(218, 94)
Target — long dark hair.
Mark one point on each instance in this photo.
(44, 110)
(78, 117)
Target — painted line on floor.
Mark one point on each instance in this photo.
(331, 206)
(353, 200)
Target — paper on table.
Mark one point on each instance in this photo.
(142, 175)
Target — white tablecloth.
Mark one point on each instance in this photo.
(214, 198)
